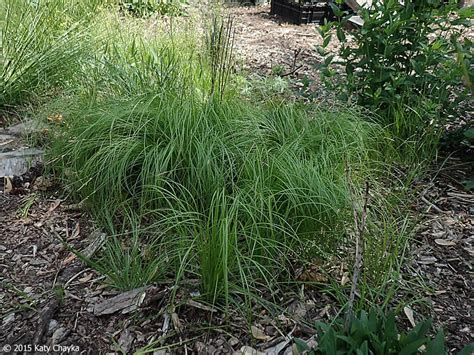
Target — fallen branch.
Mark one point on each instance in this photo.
(431, 205)
(292, 71)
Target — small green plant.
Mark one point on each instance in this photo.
(27, 203)
(278, 70)
(129, 261)
(375, 333)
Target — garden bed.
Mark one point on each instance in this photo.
(183, 211)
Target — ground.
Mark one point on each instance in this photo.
(36, 268)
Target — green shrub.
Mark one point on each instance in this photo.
(145, 8)
(375, 333)
(404, 55)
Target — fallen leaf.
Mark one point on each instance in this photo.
(166, 323)
(8, 187)
(345, 278)
(257, 333)
(275, 350)
(445, 242)
(176, 322)
(76, 232)
(54, 205)
(199, 305)
(409, 313)
(247, 350)
(86, 278)
(57, 118)
(69, 259)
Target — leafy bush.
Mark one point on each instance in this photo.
(145, 8)
(375, 333)
(406, 54)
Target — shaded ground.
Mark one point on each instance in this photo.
(445, 250)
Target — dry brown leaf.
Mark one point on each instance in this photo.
(8, 187)
(69, 259)
(445, 242)
(54, 205)
(199, 305)
(345, 278)
(76, 232)
(257, 333)
(56, 118)
(86, 278)
(176, 322)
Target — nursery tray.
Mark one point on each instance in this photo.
(313, 12)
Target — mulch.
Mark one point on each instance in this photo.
(444, 249)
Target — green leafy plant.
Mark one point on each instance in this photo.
(145, 8)
(403, 52)
(375, 333)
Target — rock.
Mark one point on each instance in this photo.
(22, 128)
(53, 324)
(58, 335)
(233, 341)
(16, 163)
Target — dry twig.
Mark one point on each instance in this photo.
(359, 239)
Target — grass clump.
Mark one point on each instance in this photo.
(233, 193)
(40, 49)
